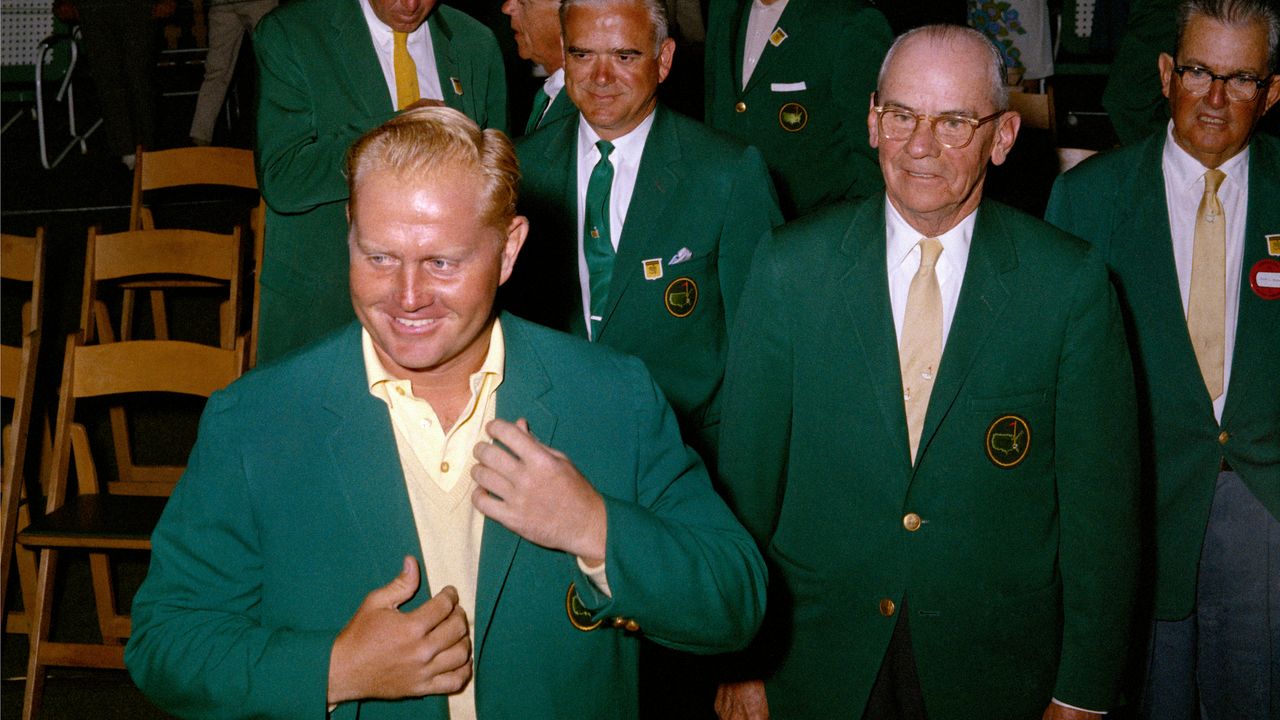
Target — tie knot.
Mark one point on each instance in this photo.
(605, 147)
(1212, 180)
(930, 249)
(400, 38)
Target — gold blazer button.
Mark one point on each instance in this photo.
(911, 522)
(887, 607)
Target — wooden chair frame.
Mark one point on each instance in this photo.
(101, 517)
(183, 167)
(21, 259)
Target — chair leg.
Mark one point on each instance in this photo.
(112, 625)
(159, 317)
(40, 622)
(28, 573)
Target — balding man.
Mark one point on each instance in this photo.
(536, 24)
(1189, 222)
(526, 494)
(929, 428)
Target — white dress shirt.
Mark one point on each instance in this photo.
(625, 158)
(903, 260)
(420, 49)
(1184, 188)
(760, 25)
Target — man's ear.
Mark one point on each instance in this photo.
(517, 231)
(1165, 63)
(1273, 94)
(666, 54)
(873, 123)
(1007, 126)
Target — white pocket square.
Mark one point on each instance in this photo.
(680, 257)
(788, 87)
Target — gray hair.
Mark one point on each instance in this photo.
(656, 9)
(956, 34)
(1235, 13)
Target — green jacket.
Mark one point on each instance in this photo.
(294, 507)
(1117, 202)
(696, 190)
(1020, 580)
(321, 88)
(561, 107)
(827, 66)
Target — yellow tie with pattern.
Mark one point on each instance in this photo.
(921, 348)
(1206, 306)
(406, 72)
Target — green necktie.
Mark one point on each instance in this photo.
(540, 103)
(596, 242)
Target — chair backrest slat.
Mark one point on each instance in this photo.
(168, 252)
(153, 366)
(197, 166)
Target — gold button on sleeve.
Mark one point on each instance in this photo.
(619, 622)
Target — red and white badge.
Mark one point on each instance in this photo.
(1264, 278)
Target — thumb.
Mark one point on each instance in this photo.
(400, 589)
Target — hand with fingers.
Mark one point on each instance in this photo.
(536, 492)
(743, 700)
(385, 653)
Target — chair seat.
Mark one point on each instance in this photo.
(112, 522)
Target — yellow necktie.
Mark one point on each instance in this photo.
(406, 72)
(1206, 307)
(921, 348)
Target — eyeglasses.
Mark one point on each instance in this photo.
(1240, 88)
(951, 131)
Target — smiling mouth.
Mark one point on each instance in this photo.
(416, 324)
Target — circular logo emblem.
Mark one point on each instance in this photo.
(681, 296)
(1264, 278)
(579, 616)
(793, 117)
(1008, 440)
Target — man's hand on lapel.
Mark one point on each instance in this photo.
(743, 700)
(537, 493)
(388, 654)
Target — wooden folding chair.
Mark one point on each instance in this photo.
(158, 259)
(106, 515)
(191, 167)
(21, 260)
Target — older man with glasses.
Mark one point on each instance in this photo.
(929, 429)
(1189, 222)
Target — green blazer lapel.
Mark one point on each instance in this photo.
(524, 384)
(982, 297)
(356, 61)
(865, 285)
(790, 24)
(1142, 253)
(657, 182)
(448, 67)
(561, 168)
(738, 18)
(1257, 320)
(366, 460)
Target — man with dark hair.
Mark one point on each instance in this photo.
(928, 427)
(529, 493)
(1189, 223)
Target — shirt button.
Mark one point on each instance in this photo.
(887, 607)
(740, 107)
(1223, 437)
(424, 423)
(444, 466)
(911, 522)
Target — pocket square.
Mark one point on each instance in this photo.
(788, 87)
(680, 257)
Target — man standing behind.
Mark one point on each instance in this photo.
(790, 77)
(539, 482)
(644, 220)
(330, 70)
(928, 425)
(1189, 222)
(536, 24)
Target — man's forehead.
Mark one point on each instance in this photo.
(1224, 48)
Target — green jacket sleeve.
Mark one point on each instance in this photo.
(754, 212)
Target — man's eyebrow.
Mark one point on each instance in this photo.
(908, 108)
(576, 49)
(625, 51)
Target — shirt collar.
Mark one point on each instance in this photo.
(554, 83)
(1185, 172)
(381, 34)
(627, 146)
(902, 238)
(380, 381)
